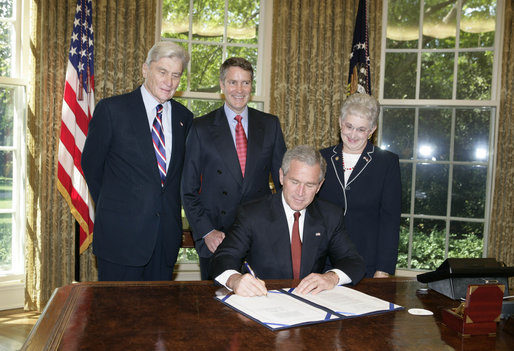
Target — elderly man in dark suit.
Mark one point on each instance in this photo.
(289, 235)
(132, 161)
(230, 154)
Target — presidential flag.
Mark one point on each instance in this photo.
(359, 74)
(77, 109)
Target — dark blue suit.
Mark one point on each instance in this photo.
(133, 210)
(260, 235)
(212, 184)
(372, 203)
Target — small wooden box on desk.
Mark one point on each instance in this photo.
(479, 314)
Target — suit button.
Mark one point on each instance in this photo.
(223, 212)
(157, 214)
(347, 188)
(224, 193)
(219, 171)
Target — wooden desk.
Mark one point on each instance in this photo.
(185, 316)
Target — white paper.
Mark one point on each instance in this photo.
(279, 310)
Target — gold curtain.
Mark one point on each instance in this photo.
(311, 51)
(501, 234)
(124, 32)
(311, 47)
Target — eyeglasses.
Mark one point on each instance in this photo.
(350, 128)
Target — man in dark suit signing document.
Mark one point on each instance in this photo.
(289, 235)
(132, 161)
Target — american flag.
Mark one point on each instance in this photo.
(77, 109)
(359, 75)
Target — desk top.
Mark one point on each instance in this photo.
(184, 315)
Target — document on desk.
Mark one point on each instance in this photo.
(284, 308)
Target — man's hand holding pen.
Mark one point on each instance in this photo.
(246, 285)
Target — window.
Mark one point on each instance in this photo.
(12, 142)
(211, 31)
(439, 106)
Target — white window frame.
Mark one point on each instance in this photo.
(417, 103)
(12, 283)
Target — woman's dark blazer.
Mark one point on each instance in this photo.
(372, 203)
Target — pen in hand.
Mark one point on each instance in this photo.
(252, 273)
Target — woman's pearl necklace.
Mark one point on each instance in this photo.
(345, 168)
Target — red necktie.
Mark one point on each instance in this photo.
(296, 247)
(241, 143)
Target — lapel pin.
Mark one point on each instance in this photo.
(318, 234)
(337, 158)
(181, 124)
(366, 158)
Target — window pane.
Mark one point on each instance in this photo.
(406, 174)
(175, 19)
(205, 64)
(428, 243)
(202, 107)
(6, 8)
(245, 52)
(434, 134)
(5, 242)
(208, 20)
(398, 131)
(7, 96)
(400, 76)
(468, 191)
(436, 76)
(431, 189)
(466, 240)
(402, 24)
(472, 134)
(439, 24)
(477, 24)
(403, 245)
(474, 75)
(6, 173)
(243, 21)
(6, 49)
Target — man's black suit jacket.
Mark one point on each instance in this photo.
(212, 183)
(120, 167)
(260, 235)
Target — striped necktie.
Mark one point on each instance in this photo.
(159, 143)
(241, 144)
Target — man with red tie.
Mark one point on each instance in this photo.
(230, 154)
(132, 161)
(289, 235)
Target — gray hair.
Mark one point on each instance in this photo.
(361, 105)
(306, 154)
(235, 62)
(167, 49)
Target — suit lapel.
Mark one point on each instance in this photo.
(224, 142)
(255, 141)
(363, 162)
(313, 232)
(279, 240)
(177, 139)
(141, 128)
(336, 161)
